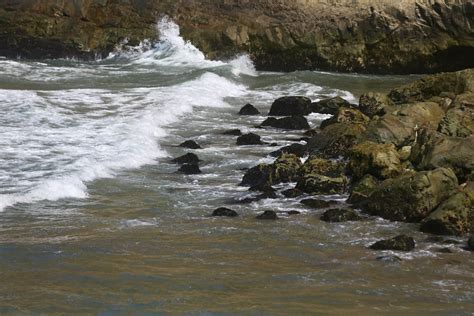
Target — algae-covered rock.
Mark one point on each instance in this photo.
(295, 149)
(380, 160)
(346, 115)
(398, 243)
(289, 106)
(340, 215)
(459, 120)
(372, 104)
(412, 196)
(329, 106)
(455, 216)
(362, 189)
(284, 169)
(336, 139)
(321, 184)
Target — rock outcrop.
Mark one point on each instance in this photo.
(380, 36)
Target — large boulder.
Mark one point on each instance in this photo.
(291, 122)
(434, 150)
(380, 160)
(412, 196)
(455, 216)
(329, 106)
(321, 176)
(346, 115)
(295, 149)
(288, 106)
(284, 169)
(336, 139)
(401, 123)
(372, 104)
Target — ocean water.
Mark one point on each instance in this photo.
(94, 218)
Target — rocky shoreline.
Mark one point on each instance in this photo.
(406, 156)
(380, 36)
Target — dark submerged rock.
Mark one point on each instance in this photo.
(292, 193)
(293, 105)
(224, 212)
(340, 215)
(188, 158)
(295, 122)
(189, 169)
(293, 212)
(390, 258)
(191, 144)
(316, 203)
(249, 139)
(232, 132)
(268, 215)
(249, 109)
(398, 243)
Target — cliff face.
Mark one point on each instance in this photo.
(380, 36)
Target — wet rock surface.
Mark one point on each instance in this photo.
(398, 243)
(224, 212)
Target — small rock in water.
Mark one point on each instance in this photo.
(249, 109)
(292, 193)
(269, 194)
(189, 169)
(191, 144)
(293, 212)
(271, 215)
(340, 215)
(249, 139)
(399, 243)
(315, 203)
(232, 132)
(189, 158)
(389, 258)
(262, 187)
(223, 211)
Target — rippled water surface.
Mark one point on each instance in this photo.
(95, 219)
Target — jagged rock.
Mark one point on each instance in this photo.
(412, 196)
(329, 106)
(188, 158)
(459, 120)
(434, 150)
(268, 215)
(292, 193)
(249, 139)
(346, 115)
(380, 160)
(232, 132)
(316, 203)
(295, 149)
(191, 144)
(189, 169)
(290, 122)
(434, 85)
(290, 106)
(336, 139)
(398, 243)
(455, 216)
(225, 212)
(362, 189)
(372, 104)
(401, 123)
(340, 215)
(249, 109)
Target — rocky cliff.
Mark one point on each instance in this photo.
(380, 36)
